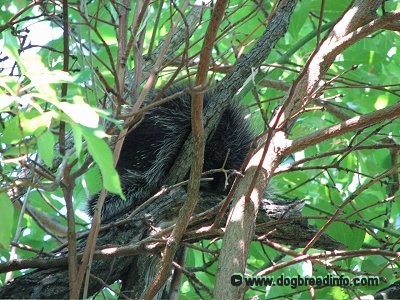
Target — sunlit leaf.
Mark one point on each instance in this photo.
(5, 102)
(81, 113)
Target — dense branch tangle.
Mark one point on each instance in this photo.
(141, 239)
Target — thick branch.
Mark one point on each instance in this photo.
(246, 201)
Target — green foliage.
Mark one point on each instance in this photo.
(33, 110)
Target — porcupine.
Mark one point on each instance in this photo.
(150, 149)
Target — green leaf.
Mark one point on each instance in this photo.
(83, 76)
(10, 84)
(39, 73)
(77, 138)
(38, 123)
(42, 78)
(12, 133)
(45, 143)
(103, 156)
(352, 237)
(6, 216)
(11, 46)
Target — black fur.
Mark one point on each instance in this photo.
(151, 148)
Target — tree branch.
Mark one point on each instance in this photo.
(241, 220)
(349, 125)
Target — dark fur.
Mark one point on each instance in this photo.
(151, 148)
